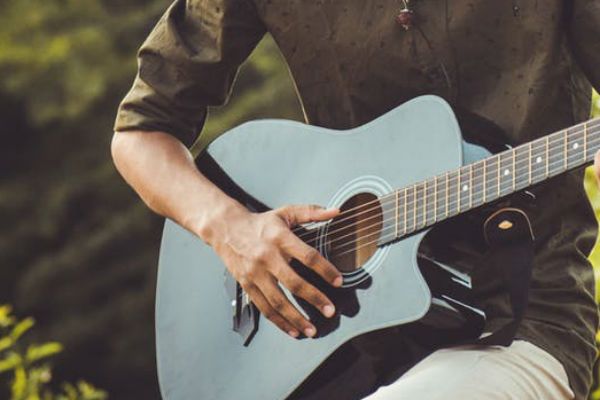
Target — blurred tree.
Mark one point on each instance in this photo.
(77, 248)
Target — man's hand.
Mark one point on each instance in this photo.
(257, 249)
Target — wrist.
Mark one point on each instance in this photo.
(213, 224)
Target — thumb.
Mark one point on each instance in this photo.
(300, 214)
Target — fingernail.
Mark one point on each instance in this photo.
(293, 334)
(328, 310)
(338, 281)
(310, 332)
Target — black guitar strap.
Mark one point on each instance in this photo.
(510, 238)
(510, 251)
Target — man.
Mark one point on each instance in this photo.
(526, 65)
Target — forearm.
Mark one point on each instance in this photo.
(162, 171)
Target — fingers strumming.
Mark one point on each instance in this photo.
(300, 288)
(280, 303)
(270, 313)
(310, 257)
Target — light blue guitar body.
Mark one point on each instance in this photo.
(200, 356)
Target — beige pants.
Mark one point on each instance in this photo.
(521, 371)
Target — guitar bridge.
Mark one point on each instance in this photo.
(245, 315)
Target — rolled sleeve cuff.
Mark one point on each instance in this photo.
(143, 109)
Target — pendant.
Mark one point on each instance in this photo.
(406, 18)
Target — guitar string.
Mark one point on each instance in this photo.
(386, 236)
(415, 186)
(416, 228)
(559, 136)
(474, 190)
(586, 126)
(392, 226)
(426, 203)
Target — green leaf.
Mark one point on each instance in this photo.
(19, 384)
(12, 361)
(6, 319)
(21, 327)
(89, 392)
(70, 391)
(5, 343)
(37, 352)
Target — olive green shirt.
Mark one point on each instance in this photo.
(526, 65)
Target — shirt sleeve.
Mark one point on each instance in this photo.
(189, 62)
(584, 32)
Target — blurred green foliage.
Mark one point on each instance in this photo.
(77, 248)
(591, 187)
(31, 374)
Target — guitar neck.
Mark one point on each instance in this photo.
(428, 202)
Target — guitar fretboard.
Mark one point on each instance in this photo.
(425, 203)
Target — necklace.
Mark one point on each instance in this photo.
(406, 17)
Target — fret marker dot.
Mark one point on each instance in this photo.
(465, 188)
(575, 146)
(506, 172)
(538, 160)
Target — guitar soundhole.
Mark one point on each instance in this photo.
(351, 238)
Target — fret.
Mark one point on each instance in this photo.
(435, 190)
(547, 155)
(506, 173)
(585, 134)
(420, 216)
(464, 188)
(431, 201)
(556, 154)
(410, 207)
(592, 135)
(498, 168)
(537, 160)
(492, 176)
(529, 161)
(565, 149)
(514, 169)
(484, 179)
(522, 167)
(425, 203)
(397, 214)
(405, 211)
(478, 183)
(591, 139)
(576, 148)
(470, 185)
(441, 198)
(458, 191)
(415, 206)
(447, 192)
(453, 193)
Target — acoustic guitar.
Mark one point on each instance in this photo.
(393, 179)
